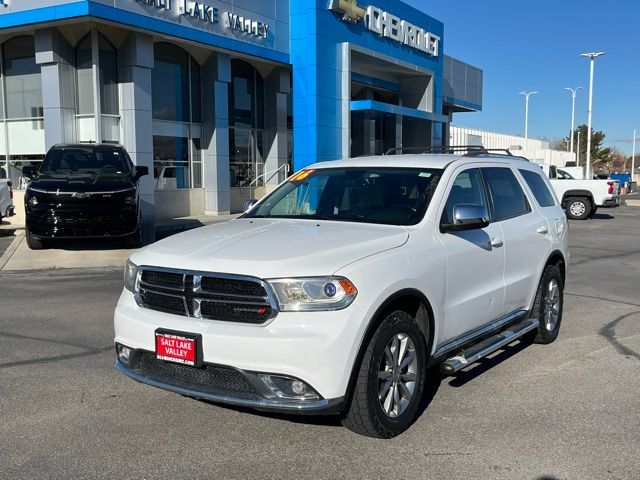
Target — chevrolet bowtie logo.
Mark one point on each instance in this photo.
(352, 11)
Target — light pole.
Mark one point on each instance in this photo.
(633, 156)
(573, 91)
(526, 117)
(592, 60)
(578, 152)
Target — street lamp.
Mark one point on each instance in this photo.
(526, 117)
(578, 152)
(592, 60)
(573, 91)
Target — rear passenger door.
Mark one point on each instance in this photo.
(524, 233)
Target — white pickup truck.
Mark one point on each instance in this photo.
(6, 199)
(581, 198)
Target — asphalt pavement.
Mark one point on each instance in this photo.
(567, 410)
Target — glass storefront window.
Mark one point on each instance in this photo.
(176, 87)
(84, 76)
(108, 77)
(171, 168)
(23, 86)
(246, 124)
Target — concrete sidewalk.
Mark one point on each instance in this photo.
(89, 253)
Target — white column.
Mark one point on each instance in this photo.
(136, 61)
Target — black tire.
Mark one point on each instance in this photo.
(365, 414)
(134, 240)
(34, 243)
(594, 210)
(578, 208)
(547, 332)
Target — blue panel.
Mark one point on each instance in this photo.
(363, 105)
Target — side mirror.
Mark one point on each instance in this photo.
(248, 205)
(141, 172)
(29, 171)
(468, 217)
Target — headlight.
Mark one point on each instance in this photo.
(130, 276)
(312, 294)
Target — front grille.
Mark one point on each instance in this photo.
(208, 379)
(205, 295)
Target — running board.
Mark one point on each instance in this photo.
(486, 347)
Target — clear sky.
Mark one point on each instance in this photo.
(536, 46)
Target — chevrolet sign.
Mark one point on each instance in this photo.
(387, 25)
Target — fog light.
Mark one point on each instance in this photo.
(298, 387)
(124, 354)
(288, 388)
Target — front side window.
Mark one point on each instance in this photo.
(507, 197)
(539, 188)
(392, 196)
(467, 189)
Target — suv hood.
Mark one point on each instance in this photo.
(82, 182)
(270, 248)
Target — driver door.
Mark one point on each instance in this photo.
(474, 262)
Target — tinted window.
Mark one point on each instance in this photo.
(508, 199)
(107, 160)
(467, 189)
(539, 188)
(394, 196)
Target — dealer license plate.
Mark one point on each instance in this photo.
(177, 347)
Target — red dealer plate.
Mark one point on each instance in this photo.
(177, 347)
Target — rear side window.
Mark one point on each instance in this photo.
(539, 188)
(507, 197)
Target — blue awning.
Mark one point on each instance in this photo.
(372, 105)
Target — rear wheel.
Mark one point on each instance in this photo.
(578, 208)
(548, 305)
(391, 379)
(34, 243)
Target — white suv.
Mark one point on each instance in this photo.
(336, 292)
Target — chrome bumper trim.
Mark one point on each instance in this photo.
(322, 406)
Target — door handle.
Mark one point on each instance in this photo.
(543, 230)
(496, 242)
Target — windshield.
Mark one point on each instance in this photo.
(393, 196)
(105, 160)
(562, 175)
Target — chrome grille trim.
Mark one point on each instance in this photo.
(194, 296)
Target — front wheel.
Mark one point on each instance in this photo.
(548, 305)
(391, 379)
(578, 208)
(34, 243)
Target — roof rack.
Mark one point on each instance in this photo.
(466, 150)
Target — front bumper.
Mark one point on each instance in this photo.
(318, 348)
(82, 223)
(248, 395)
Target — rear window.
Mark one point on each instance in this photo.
(539, 188)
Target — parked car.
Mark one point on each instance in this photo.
(582, 198)
(6, 199)
(336, 292)
(83, 191)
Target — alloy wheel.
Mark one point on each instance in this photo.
(551, 310)
(577, 209)
(397, 375)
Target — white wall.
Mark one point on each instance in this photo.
(536, 150)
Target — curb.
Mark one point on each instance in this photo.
(11, 249)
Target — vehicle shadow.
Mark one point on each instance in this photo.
(603, 216)
(88, 244)
(481, 366)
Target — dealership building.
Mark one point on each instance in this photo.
(221, 99)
